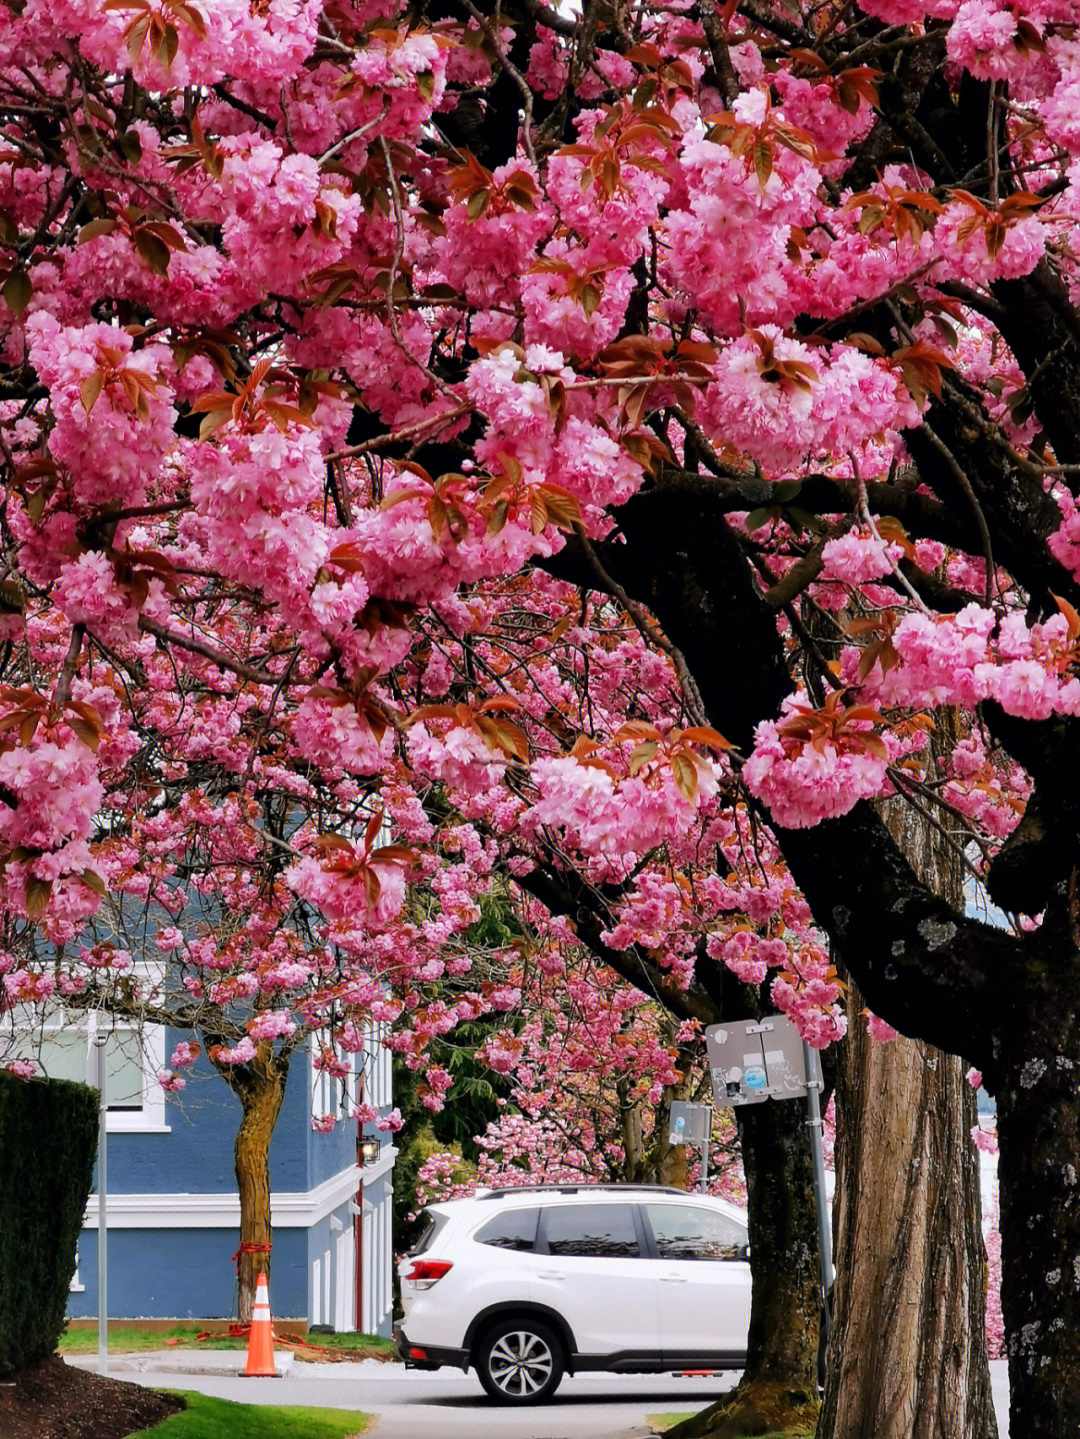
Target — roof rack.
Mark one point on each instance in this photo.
(583, 1188)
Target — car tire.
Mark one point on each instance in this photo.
(520, 1361)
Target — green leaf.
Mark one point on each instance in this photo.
(786, 490)
(757, 518)
(800, 519)
(17, 291)
(130, 147)
(38, 894)
(153, 250)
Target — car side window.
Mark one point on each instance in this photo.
(605, 1231)
(513, 1229)
(684, 1232)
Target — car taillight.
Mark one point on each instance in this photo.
(426, 1272)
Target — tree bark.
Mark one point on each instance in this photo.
(907, 1355)
(260, 1088)
(779, 1385)
(1039, 1177)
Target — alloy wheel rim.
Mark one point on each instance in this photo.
(520, 1363)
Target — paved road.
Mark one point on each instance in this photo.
(449, 1404)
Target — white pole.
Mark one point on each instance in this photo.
(705, 1163)
(103, 1231)
(814, 1086)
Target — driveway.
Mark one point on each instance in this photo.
(449, 1404)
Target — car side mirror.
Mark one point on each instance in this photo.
(743, 1253)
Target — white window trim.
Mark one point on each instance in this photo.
(150, 1119)
(330, 1095)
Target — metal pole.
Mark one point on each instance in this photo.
(814, 1086)
(103, 1230)
(705, 1164)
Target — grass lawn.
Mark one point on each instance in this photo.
(660, 1423)
(139, 1339)
(206, 1418)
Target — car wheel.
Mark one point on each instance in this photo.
(520, 1361)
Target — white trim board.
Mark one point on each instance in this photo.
(290, 1209)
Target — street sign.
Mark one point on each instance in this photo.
(753, 1060)
(689, 1123)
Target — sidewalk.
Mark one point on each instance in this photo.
(224, 1363)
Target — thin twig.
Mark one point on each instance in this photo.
(650, 632)
(391, 279)
(62, 692)
(965, 484)
(208, 652)
(515, 74)
(864, 511)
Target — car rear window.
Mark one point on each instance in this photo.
(513, 1229)
(604, 1231)
(430, 1224)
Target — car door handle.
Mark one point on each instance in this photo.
(673, 1278)
(550, 1274)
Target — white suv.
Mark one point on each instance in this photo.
(525, 1284)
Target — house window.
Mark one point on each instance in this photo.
(134, 1099)
(377, 1067)
(328, 1094)
(63, 1055)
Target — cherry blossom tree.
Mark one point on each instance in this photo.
(587, 449)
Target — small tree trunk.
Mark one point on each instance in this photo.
(634, 1162)
(779, 1385)
(907, 1357)
(1039, 1172)
(260, 1087)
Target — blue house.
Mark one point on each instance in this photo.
(172, 1209)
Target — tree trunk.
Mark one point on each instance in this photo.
(260, 1087)
(907, 1352)
(778, 1389)
(1039, 1173)
(907, 1355)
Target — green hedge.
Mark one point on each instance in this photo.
(48, 1137)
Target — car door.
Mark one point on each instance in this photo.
(704, 1279)
(593, 1269)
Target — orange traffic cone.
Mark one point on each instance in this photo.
(260, 1355)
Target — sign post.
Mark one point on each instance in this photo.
(751, 1061)
(97, 1077)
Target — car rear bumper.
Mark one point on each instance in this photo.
(427, 1356)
